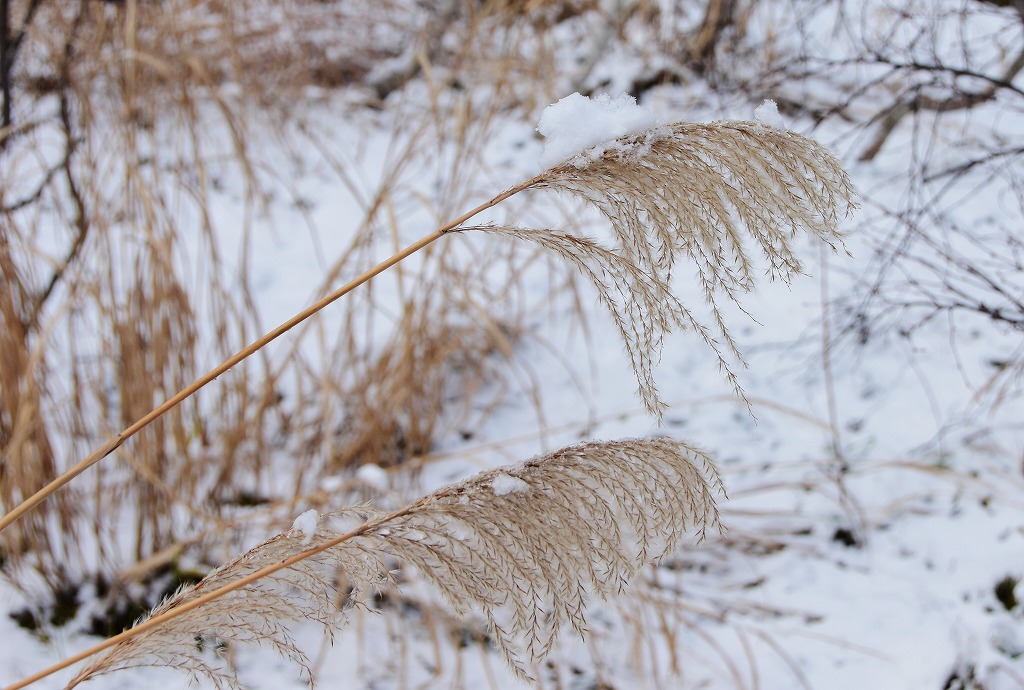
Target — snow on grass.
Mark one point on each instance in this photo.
(505, 484)
(373, 475)
(577, 123)
(768, 114)
(307, 523)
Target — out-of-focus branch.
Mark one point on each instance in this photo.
(1014, 4)
(10, 42)
(70, 146)
(33, 196)
(717, 17)
(890, 118)
(967, 166)
(6, 57)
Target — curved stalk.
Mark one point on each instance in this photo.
(117, 441)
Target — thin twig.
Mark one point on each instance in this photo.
(82, 222)
(961, 101)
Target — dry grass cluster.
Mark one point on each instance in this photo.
(527, 566)
(126, 122)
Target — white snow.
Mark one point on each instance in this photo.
(505, 484)
(577, 123)
(373, 475)
(768, 114)
(307, 524)
(332, 482)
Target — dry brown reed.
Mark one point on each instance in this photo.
(703, 193)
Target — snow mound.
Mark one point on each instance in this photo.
(577, 123)
(505, 484)
(307, 524)
(768, 114)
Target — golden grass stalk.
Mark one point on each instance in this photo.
(527, 545)
(116, 442)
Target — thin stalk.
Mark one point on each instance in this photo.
(114, 443)
(206, 598)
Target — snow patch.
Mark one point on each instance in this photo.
(373, 475)
(332, 483)
(307, 524)
(505, 484)
(768, 114)
(577, 123)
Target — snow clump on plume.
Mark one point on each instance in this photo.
(505, 484)
(307, 523)
(768, 114)
(577, 123)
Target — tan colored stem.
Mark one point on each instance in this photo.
(204, 599)
(114, 443)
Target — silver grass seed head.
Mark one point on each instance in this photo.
(577, 523)
(720, 197)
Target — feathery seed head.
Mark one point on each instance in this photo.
(526, 545)
(720, 196)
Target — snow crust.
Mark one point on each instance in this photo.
(505, 484)
(768, 114)
(577, 123)
(307, 523)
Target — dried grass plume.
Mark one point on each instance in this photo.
(722, 196)
(526, 545)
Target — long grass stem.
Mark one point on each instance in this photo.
(114, 443)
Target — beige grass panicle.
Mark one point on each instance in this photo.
(526, 545)
(721, 196)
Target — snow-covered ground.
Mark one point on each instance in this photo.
(876, 502)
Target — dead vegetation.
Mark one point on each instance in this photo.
(123, 122)
(526, 544)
